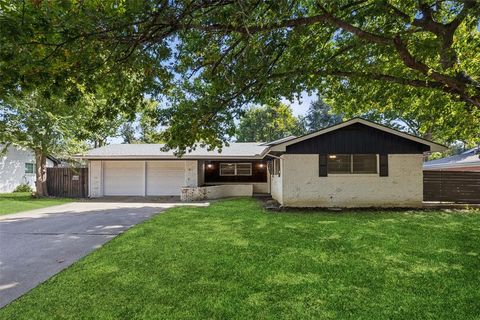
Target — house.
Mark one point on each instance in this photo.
(466, 161)
(357, 163)
(17, 166)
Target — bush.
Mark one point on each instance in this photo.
(24, 187)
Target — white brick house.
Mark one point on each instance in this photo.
(357, 163)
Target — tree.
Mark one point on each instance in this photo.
(42, 124)
(149, 125)
(66, 46)
(49, 124)
(359, 55)
(268, 123)
(443, 121)
(209, 59)
(320, 115)
(127, 132)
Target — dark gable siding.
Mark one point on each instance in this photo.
(212, 175)
(357, 138)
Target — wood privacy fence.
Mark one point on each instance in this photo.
(452, 186)
(67, 182)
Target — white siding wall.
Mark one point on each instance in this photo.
(12, 168)
(302, 187)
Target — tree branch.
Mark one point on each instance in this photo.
(389, 78)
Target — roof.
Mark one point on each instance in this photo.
(235, 150)
(469, 158)
(433, 146)
(275, 142)
(238, 150)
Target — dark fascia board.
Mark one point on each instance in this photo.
(281, 147)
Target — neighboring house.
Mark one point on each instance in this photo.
(17, 166)
(465, 161)
(356, 163)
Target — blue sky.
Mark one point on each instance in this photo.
(300, 107)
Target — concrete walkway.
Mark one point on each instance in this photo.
(35, 245)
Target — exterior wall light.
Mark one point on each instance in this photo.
(209, 166)
(332, 156)
(261, 165)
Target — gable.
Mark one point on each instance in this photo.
(357, 138)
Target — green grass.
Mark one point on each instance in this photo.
(22, 201)
(233, 260)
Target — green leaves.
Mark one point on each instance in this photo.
(268, 123)
(205, 61)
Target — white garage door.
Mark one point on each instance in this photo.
(123, 178)
(165, 178)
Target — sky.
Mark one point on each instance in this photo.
(300, 107)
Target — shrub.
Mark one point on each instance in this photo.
(24, 187)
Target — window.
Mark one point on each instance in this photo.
(235, 169)
(244, 169)
(227, 169)
(364, 163)
(339, 163)
(352, 163)
(29, 168)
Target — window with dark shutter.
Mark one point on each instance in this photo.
(351, 163)
(323, 166)
(383, 165)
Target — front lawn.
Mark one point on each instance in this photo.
(22, 201)
(233, 260)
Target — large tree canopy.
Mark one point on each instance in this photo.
(208, 59)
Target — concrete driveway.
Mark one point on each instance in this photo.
(37, 244)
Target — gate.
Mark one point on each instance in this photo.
(451, 186)
(67, 182)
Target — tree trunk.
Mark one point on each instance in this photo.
(41, 174)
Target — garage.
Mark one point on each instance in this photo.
(150, 170)
(165, 178)
(123, 178)
(140, 178)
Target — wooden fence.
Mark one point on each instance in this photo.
(451, 186)
(67, 182)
